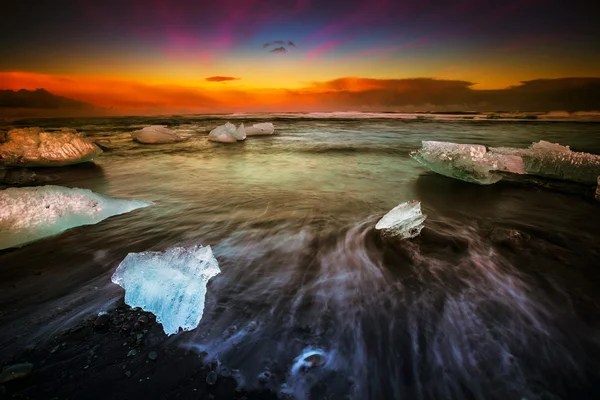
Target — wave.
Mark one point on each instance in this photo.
(444, 316)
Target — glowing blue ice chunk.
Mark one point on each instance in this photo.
(169, 284)
(31, 213)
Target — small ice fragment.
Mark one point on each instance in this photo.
(404, 221)
(155, 134)
(169, 284)
(263, 128)
(31, 213)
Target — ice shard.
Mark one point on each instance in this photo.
(405, 221)
(31, 213)
(155, 134)
(263, 128)
(223, 133)
(169, 284)
(240, 133)
(477, 164)
(32, 147)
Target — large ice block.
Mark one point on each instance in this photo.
(31, 213)
(155, 134)
(32, 147)
(551, 160)
(404, 221)
(476, 164)
(169, 284)
(223, 133)
(263, 128)
(467, 162)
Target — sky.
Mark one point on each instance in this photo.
(153, 56)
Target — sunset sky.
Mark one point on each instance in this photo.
(223, 55)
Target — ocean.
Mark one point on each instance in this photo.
(496, 299)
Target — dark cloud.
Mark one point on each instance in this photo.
(40, 99)
(219, 78)
(570, 94)
(280, 49)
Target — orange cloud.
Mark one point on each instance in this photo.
(115, 97)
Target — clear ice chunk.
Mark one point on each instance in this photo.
(476, 164)
(31, 213)
(169, 284)
(223, 133)
(467, 162)
(263, 128)
(550, 160)
(155, 134)
(240, 133)
(404, 221)
(32, 147)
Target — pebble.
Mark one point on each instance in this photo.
(102, 321)
(252, 326)
(16, 371)
(232, 330)
(153, 355)
(143, 319)
(128, 374)
(263, 377)
(132, 353)
(211, 378)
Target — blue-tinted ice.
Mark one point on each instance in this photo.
(169, 284)
(31, 213)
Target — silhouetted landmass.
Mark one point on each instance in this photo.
(39, 98)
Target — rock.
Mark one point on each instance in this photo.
(597, 194)
(128, 374)
(252, 326)
(20, 176)
(102, 321)
(315, 360)
(263, 377)
(503, 235)
(16, 371)
(153, 355)
(232, 330)
(132, 353)
(143, 319)
(211, 378)
(32, 147)
(155, 134)
(102, 143)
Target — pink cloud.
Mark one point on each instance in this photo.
(325, 47)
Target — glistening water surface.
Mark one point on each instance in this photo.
(496, 299)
